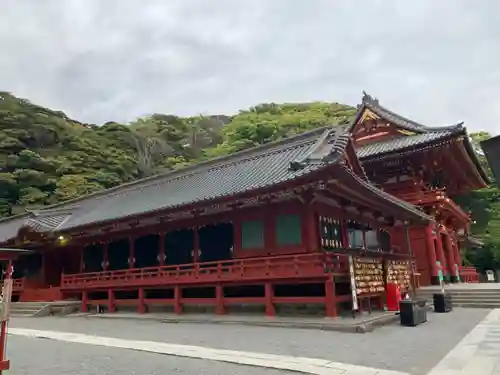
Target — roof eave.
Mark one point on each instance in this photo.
(410, 211)
(475, 159)
(401, 121)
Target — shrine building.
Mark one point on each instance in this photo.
(328, 218)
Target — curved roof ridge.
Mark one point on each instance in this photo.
(373, 104)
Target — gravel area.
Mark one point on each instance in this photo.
(414, 350)
(31, 356)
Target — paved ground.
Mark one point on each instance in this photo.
(31, 356)
(412, 350)
(478, 353)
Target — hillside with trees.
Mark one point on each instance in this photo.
(47, 157)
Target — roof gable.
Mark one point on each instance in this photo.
(374, 123)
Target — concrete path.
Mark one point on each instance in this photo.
(477, 354)
(272, 361)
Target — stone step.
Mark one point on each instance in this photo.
(471, 305)
(466, 295)
(34, 304)
(476, 301)
(26, 308)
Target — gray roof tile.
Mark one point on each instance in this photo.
(401, 143)
(262, 167)
(249, 170)
(401, 121)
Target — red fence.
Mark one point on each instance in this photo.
(302, 266)
(18, 284)
(469, 275)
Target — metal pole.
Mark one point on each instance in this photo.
(410, 253)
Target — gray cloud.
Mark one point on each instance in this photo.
(437, 62)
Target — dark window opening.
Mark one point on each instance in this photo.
(216, 242)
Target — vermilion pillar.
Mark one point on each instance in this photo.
(161, 249)
(450, 256)
(431, 253)
(440, 252)
(105, 261)
(196, 246)
(131, 248)
(310, 229)
(458, 254)
(453, 262)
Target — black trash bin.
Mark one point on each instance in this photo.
(413, 312)
(442, 302)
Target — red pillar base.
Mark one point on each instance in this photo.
(330, 299)
(270, 311)
(84, 307)
(111, 302)
(177, 300)
(219, 300)
(142, 306)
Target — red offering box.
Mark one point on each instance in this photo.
(393, 296)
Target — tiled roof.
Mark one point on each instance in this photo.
(10, 226)
(425, 135)
(402, 143)
(403, 122)
(256, 168)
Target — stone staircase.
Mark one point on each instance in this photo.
(466, 296)
(27, 308)
(38, 309)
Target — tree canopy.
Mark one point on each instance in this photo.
(47, 157)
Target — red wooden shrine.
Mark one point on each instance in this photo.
(327, 218)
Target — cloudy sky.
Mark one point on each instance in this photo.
(100, 60)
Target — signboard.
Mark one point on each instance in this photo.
(353, 284)
(6, 298)
(490, 275)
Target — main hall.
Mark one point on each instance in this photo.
(325, 219)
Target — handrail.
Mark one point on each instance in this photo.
(308, 265)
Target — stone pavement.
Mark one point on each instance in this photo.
(50, 357)
(405, 349)
(270, 361)
(477, 354)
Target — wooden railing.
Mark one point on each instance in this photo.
(18, 284)
(469, 275)
(301, 266)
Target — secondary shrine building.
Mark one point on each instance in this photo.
(327, 219)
